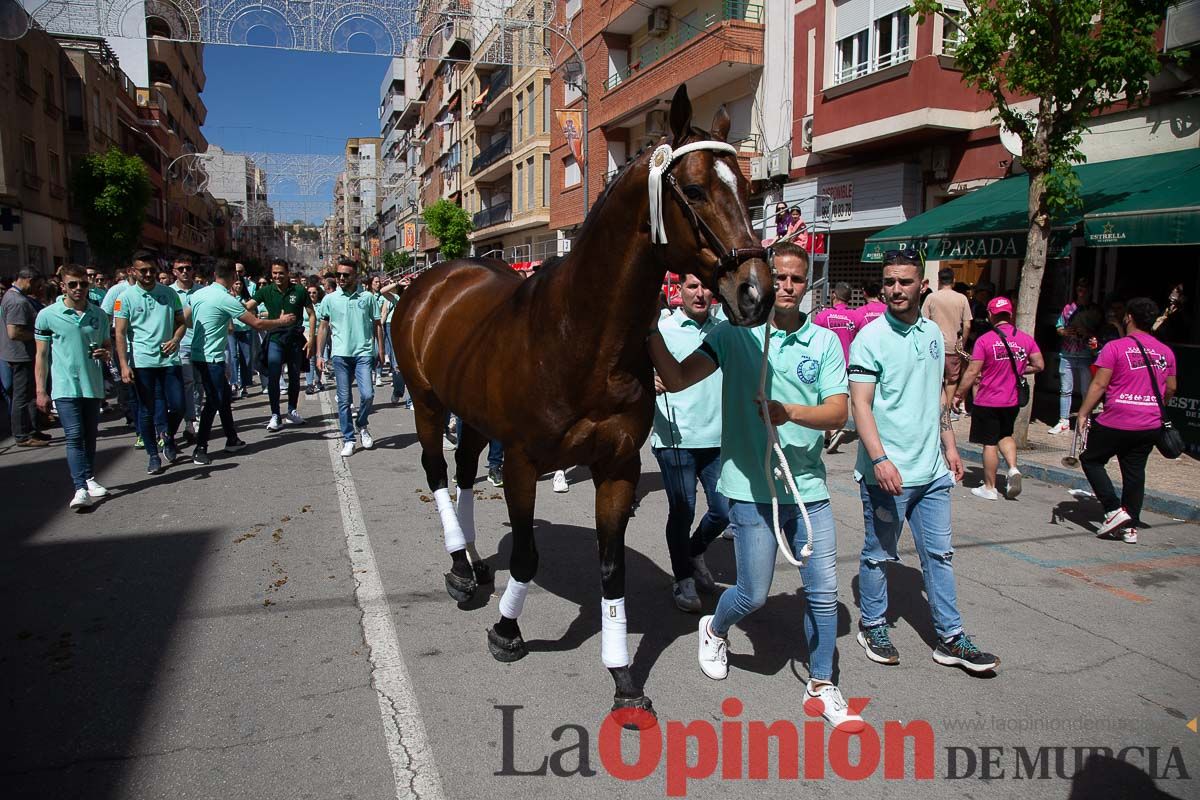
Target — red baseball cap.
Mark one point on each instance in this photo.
(1000, 305)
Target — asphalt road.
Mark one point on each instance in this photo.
(275, 626)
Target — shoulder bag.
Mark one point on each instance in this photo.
(1170, 441)
(1022, 384)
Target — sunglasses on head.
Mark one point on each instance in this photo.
(906, 256)
(78, 284)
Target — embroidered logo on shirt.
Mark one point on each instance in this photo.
(935, 351)
(807, 369)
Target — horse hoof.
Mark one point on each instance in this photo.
(461, 589)
(634, 713)
(483, 573)
(506, 650)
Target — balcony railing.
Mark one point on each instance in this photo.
(494, 215)
(684, 33)
(852, 71)
(492, 153)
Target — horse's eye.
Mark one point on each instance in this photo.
(693, 192)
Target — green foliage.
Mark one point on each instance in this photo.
(396, 260)
(111, 191)
(450, 224)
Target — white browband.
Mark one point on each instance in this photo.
(660, 161)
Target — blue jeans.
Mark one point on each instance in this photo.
(288, 353)
(357, 369)
(218, 399)
(397, 378)
(80, 417)
(1074, 375)
(495, 454)
(754, 551)
(160, 399)
(244, 350)
(680, 468)
(927, 509)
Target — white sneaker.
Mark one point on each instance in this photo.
(81, 499)
(1129, 536)
(367, 441)
(686, 598)
(95, 490)
(274, 424)
(834, 708)
(294, 417)
(1013, 487)
(712, 651)
(379, 380)
(347, 449)
(1062, 427)
(985, 493)
(1112, 521)
(560, 482)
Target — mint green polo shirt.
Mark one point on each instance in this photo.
(185, 299)
(805, 367)
(72, 337)
(906, 364)
(213, 308)
(352, 320)
(151, 317)
(691, 418)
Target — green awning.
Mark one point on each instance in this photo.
(1132, 201)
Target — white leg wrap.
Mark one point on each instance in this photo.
(464, 506)
(614, 647)
(513, 600)
(451, 530)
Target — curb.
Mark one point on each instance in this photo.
(1160, 502)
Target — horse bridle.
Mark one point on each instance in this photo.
(661, 161)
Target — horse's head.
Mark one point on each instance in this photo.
(701, 215)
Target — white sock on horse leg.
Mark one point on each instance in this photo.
(451, 530)
(513, 600)
(614, 647)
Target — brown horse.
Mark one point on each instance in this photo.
(556, 366)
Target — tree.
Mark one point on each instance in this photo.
(1075, 58)
(111, 191)
(450, 224)
(396, 260)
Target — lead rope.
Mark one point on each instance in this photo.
(774, 448)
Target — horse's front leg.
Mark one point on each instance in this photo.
(615, 486)
(520, 490)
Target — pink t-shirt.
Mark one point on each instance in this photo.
(843, 321)
(871, 311)
(997, 384)
(1129, 402)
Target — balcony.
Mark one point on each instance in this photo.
(494, 215)
(393, 107)
(496, 97)
(495, 151)
(900, 55)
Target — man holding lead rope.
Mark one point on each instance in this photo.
(896, 366)
(806, 383)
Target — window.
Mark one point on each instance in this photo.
(545, 180)
(870, 35)
(55, 169)
(29, 154)
(520, 185)
(532, 117)
(545, 106)
(49, 96)
(529, 182)
(520, 131)
(571, 176)
(852, 57)
(23, 78)
(952, 32)
(891, 39)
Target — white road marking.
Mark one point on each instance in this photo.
(408, 747)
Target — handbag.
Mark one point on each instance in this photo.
(1170, 440)
(1022, 384)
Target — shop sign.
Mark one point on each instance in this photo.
(841, 200)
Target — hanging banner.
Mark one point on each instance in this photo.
(410, 236)
(571, 122)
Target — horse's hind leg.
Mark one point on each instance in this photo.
(520, 491)
(430, 418)
(466, 464)
(615, 486)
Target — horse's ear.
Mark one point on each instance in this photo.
(681, 115)
(720, 125)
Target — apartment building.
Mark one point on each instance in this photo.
(356, 195)
(240, 186)
(636, 55)
(506, 136)
(399, 113)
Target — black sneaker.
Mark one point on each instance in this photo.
(200, 456)
(169, 451)
(154, 467)
(878, 644)
(234, 445)
(962, 652)
(496, 476)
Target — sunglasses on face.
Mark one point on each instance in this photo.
(345, 275)
(78, 284)
(147, 271)
(184, 268)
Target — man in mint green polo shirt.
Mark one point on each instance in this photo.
(213, 309)
(806, 387)
(686, 442)
(896, 369)
(352, 315)
(185, 286)
(72, 338)
(152, 316)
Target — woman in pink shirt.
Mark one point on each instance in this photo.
(1128, 426)
(997, 358)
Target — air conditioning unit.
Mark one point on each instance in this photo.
(806, 133)
(758, 169)
(658, 21)
(779, 162)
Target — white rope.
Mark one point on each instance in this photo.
(783, 470)
(660, 161)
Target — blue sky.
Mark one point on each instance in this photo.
(286, 101)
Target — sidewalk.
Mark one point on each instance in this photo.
(1172, 487)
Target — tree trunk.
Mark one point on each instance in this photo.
(1036, 245)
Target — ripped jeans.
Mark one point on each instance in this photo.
(927, 509)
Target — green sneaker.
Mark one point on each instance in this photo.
(138, 443)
